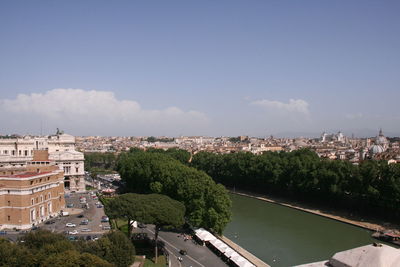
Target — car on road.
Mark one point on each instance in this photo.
(99, 206)
(75, 232)
(34, 228)
(183, 252)
(70, 205)
(50, 222)
(70, 225)
(142, 225)
(80, 216)
(86, 230)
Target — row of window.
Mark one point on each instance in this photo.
(40, 180)
(20, 152)
(41, 212)
(48, 196)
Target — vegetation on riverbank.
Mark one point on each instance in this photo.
(372, 188)
(207, 203)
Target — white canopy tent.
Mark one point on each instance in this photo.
(230, 253)
(204, 235)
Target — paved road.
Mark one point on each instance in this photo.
(93, 214)
(197, 255)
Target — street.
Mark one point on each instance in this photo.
(197, 255)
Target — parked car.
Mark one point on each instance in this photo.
(64, 213)
(70, 225)
(70, 205)
(75, 232)
(2, 232)
(86, 230)
(50, 222)
(104, 219)
(84, 222)
(106, 227)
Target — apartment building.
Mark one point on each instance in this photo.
(32, 194)
(16, 152)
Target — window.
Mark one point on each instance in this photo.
(9, 203)
(76, 169)
(41, 198)
(8, 217)
(5, 152)
(49, 195)
(26, 152)
(13, 152)
(33, 217)
(19, 152)
(31, 182)
(8, 191)
(32, 201)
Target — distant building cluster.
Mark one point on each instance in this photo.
(335, 146)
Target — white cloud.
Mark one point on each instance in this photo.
(96, 113)
(294, 105)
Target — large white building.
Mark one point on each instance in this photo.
(16, 152)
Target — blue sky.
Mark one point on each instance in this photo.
(199, 67)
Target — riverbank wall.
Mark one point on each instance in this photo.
(250, 257)
(362, 224)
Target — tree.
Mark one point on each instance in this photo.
(72, 258)
(156, 209)
(153, 172)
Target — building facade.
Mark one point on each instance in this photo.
(31, 195)
(16, 152)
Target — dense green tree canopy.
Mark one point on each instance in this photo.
(43, 249)
(372, 187)
(207, 204)
(154, 209)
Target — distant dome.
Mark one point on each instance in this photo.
(381, 139)
(375, 149)
(300, 143)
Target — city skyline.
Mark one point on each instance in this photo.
(216, 69)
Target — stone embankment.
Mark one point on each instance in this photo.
(250, 257)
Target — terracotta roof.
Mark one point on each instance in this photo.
(25, 174)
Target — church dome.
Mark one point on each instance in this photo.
(375, 149)
(300, 143)
(381, 139)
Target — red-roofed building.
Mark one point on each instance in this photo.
(32, 194)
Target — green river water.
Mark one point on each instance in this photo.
(281, 236)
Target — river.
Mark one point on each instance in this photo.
(282, 236)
